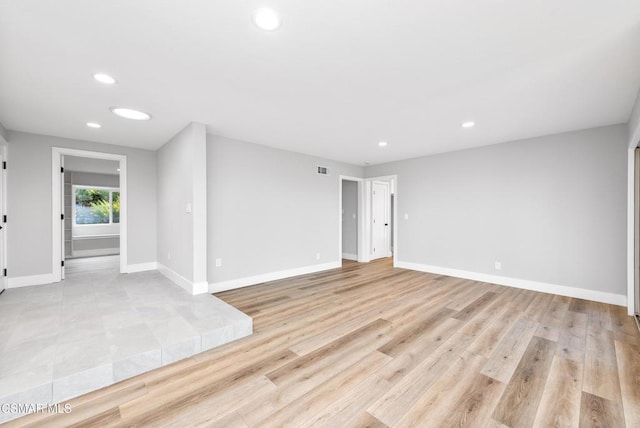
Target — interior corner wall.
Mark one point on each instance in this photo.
(270, 213)
(551, 210)
(29, 201)
(182, 196)
(634, 120)
(350, 218)
(4, 135)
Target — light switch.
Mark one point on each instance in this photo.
(406, 216)
(188, 209)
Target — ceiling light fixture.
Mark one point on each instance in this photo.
(382, 144)
(129, 113)
(93, 125)
(266, 19)
(469, 124)
(105, 78)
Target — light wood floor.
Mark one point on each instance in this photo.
(372, 346)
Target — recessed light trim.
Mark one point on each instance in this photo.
(469, 124)
(94, 125)
(129, 113)
(105, 79)
(266, 19)
(383, 144)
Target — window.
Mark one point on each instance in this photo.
(96, 205)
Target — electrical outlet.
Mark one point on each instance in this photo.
(498, 265)
(169, 255)
(406, 216)
(317, 256)
(218, 262)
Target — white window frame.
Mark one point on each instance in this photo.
(73, 204)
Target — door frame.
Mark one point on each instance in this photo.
(360, 217)
(368, 217)
(3, 211)
(56, 205)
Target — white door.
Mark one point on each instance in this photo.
(62, 219)
(379, 220)
(3, 225)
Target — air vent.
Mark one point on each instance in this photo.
(323, 170)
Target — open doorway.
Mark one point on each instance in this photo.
(91, 201)
(89, 211)
(351, 232)
(349, 220)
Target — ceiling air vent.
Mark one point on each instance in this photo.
(323, 170)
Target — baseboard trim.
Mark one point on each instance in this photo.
(563, 290)
(183, 282)
(26, 281)
(216, 287)
(349, 256)
(142, 267)
(96, 252)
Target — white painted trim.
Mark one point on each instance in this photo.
(216, 287)
(349, 256)
(96, 252)
(360, 195)
(26, 281)
(563, 290)
(56, 208)
(634, 141)
(188, 286)
(142, 267)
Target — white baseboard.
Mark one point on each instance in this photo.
(349, 256)
(96, 252)
(142, 267)
(216, 287)
(25, 281)
(200, 287)
(188, 286)
(563, 290)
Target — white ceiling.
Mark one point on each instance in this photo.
(335, 79)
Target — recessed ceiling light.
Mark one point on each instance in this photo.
(382, 144)
(129, 113)
(266, 19)
(104, 78)
(118, 169)
(93, 125)
(469, 124)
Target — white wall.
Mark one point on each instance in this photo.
(269, 212)
(181, 183)
(552, 210)
(95, 166)
(29, 201)
(350, 218)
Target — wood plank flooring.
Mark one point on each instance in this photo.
(368, 345)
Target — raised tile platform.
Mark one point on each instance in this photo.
(96, 328)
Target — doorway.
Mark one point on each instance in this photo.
(381, 217)
(351, 229)
(91, 202)
(89, 208)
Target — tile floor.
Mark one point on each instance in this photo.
(98, 327)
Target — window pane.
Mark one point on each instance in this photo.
(92, 206)
(116, 207)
